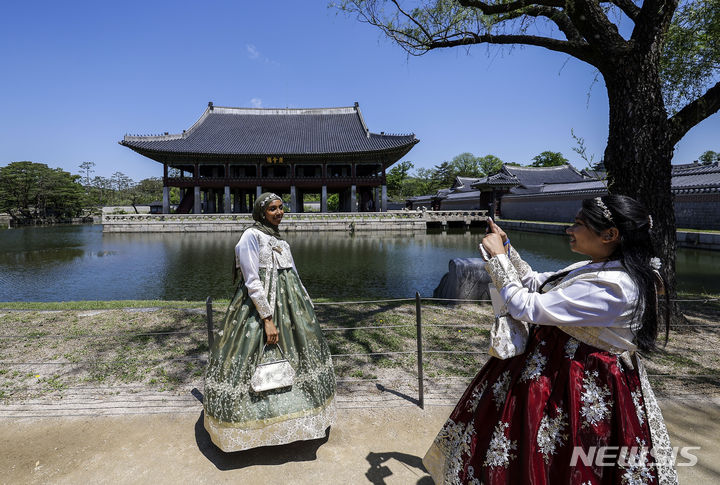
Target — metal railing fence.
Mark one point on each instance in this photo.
(419, 352)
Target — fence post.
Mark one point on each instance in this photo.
(418, 316)
(208, 313)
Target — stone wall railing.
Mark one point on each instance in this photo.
(337, 221)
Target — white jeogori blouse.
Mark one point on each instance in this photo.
(257, 250)
(594, 302)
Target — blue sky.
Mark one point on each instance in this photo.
(78, 75)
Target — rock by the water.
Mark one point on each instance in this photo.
(465, 280)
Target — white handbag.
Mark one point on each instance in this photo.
(276, 374)
(508, 336)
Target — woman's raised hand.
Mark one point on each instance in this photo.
(271, 332)
(492, 227)
(493, 242)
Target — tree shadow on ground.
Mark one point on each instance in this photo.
(265, 455)
(378, 472)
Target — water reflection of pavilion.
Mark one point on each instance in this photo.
(230, 155)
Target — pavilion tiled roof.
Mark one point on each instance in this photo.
(260, 131)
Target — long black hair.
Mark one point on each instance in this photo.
(635, 252)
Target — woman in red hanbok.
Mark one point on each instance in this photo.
(575, 407)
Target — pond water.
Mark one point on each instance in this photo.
(66, 263)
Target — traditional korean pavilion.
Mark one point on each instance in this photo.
(231, 155)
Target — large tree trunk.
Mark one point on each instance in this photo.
(639, 151)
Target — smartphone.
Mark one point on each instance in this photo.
(483, 252)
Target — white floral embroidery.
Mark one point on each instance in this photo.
(475, 397)
(662, 451)
(550, 434)
(454, 440)
(498, 453)
(596, 405)
(501, 271)
(521, 266)
(620, 364)
(636, 395)
(571, 347)
(471, 479)
(534, 365)
(637, 470)
(500, 389)
(308, 427)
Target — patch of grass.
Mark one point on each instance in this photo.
(54, 383)
(105, 305)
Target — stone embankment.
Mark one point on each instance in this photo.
(316, 222)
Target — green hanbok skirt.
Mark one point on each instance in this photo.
(236, 417)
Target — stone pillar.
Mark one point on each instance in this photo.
(258, 191)
(196, 200)
(236, 200)
(353, 198)
(226, 204)
(293, 200)
(166, 200)
(383, 207)
(212, 201)
(323, 199)
(376, 194)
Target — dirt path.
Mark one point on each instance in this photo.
(379, 444)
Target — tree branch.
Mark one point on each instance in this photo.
(653, 20)
(558, 17)
(695, 112)
(592, 22)
(586, 16)
(491, 9)
(578, 50)
(412, 19)
(628, 7)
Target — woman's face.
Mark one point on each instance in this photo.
(274, 212)
(585, 241)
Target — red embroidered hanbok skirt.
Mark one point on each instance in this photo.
(563, 412)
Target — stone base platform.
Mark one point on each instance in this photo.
(348, 222)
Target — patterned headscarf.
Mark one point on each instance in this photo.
(261, 224)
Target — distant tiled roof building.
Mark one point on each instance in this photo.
(695, 187)
(555, 193)
(295, 151)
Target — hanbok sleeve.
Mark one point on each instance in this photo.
(530, 279)
(587, 302)
(247, 259)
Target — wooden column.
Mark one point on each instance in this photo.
(166, 199)
(197, 208)
(293, 200)
(226, 201)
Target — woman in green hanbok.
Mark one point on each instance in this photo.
(270, 309)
